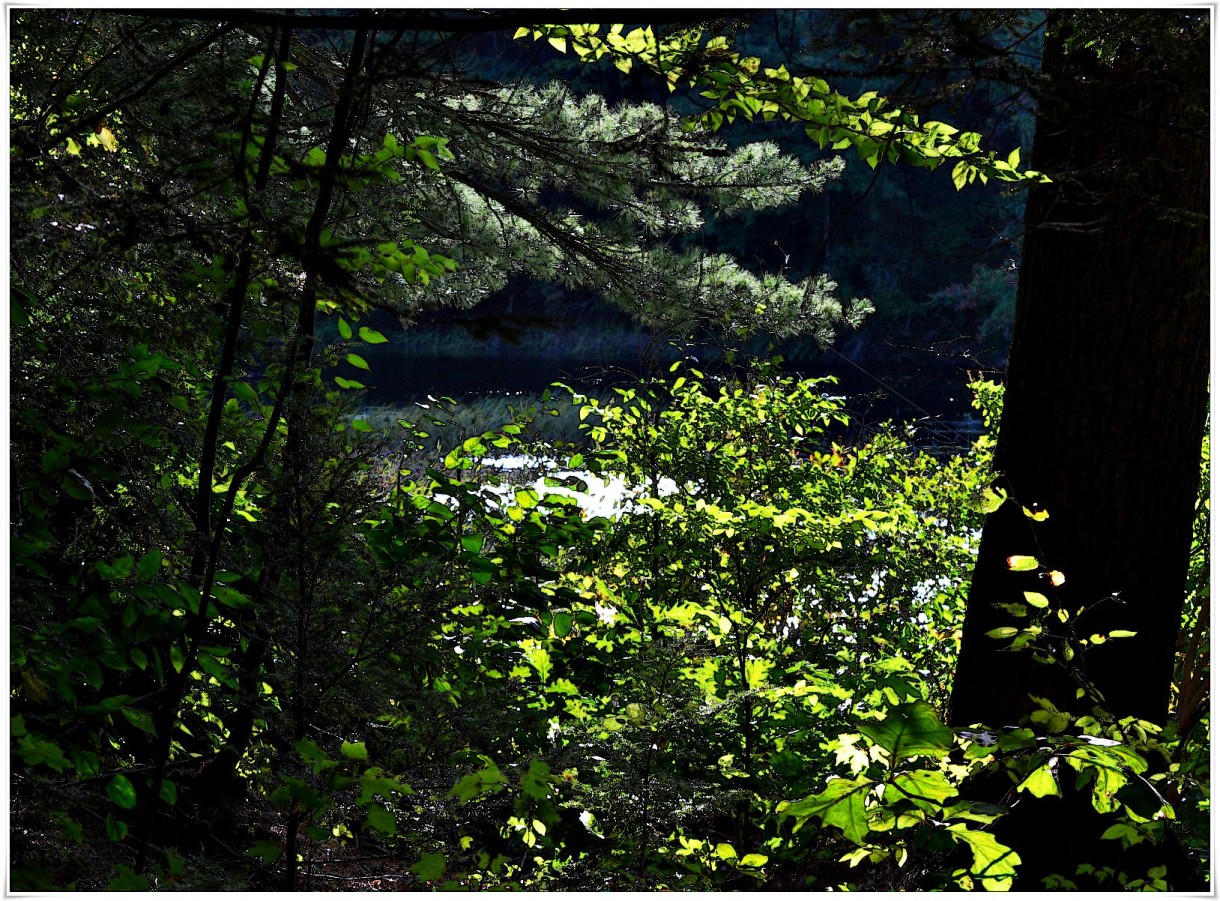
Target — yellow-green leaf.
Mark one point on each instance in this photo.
(372, 336)
(1040, 783)
(107, 139)
(1020, 563)
(1036, 600)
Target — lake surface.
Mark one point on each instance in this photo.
(932, 396)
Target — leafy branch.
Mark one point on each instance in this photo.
(742, 86)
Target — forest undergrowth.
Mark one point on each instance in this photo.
(737, 680)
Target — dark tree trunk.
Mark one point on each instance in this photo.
(1105, 410)
(1107, 393)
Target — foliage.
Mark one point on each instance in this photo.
(743, 86)
(256, 640)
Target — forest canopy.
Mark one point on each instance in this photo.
(694, 629)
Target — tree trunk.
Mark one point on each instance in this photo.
(1104, 414)
(1107, 393)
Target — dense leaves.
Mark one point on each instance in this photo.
(703, 641)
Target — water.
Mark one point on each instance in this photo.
(932, 397)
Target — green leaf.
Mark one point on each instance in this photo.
(1121, 633)
(119, 569)
(149, 566)
(909, 730)
(345, 330)
(380, 818)
(122, 792)
(128, 881)
(1040, 783)
(231, 597)
(1003, 632)
(840, 805)
(988, 501)
(242, 391)
(930, 786)
(354, 750)
(488, 779)
(314, 756)
(1036, 600)
(994, 864)
(116, 829)
(562, 624)
(140, 720)
(430, 867)
(35, 751)
(269, 851)
(960, 172)
(358, 361)
(169, 792)
(372, 336)
(375, 782)
(1020, 563)
(536, 782)
(348, 383)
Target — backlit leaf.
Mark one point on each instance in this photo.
(924, 785)
(841, 805)
(1021, 563)
(1040, 783)
(1036, 600)
(994, 864)
(909, 730)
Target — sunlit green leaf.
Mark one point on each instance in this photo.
(372, 336)
(909, 730)
(1040, 783)
(994, 865)
(841, 805)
